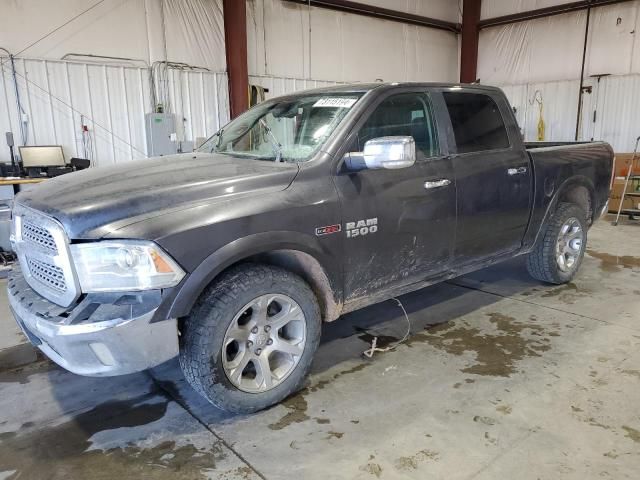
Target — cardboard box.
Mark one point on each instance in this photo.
(616, 195)
(622, 162)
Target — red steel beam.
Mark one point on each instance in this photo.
(235, 44)
(469, 42)
(358, 8)
(546, 12)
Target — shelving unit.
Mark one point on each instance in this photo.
(632, 212)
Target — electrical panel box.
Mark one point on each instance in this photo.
(161, 134)
(186, 146)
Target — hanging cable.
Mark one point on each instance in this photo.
(374, 343)
(24, 130)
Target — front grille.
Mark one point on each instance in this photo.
(35, 234)
(43, 252)
(48, 274)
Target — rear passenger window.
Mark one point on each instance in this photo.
(477, 122)
(407, 115)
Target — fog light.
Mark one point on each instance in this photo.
(103, 353)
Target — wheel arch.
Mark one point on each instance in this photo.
(577, 189)
(299, 253)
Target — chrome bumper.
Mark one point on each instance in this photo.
(85, 339)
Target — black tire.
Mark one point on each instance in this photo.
(204, 329)
(541, 261)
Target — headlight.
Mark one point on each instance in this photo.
(124, 266)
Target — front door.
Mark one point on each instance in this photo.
(399, 224)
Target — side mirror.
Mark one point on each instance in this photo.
(384, 152)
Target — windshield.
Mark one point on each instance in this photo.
(289, 130)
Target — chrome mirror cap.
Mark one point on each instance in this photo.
(384, 152)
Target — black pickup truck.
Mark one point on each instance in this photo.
(301, 209)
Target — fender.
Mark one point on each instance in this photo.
(180, 300)
(578, 180)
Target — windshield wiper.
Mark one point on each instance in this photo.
(216, 146)
(274, 141)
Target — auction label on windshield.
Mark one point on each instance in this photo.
(336, 102)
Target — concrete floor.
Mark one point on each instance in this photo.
(11, 335)
(517, 380)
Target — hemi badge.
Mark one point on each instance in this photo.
(328, 229)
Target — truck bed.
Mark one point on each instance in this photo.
(534, 145)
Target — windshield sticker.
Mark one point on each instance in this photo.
(335, 102)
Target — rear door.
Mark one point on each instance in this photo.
(493, 174)
(399, 224)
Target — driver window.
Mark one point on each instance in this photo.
(405, 114)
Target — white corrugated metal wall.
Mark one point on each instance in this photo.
(112, 101)
(277, 86)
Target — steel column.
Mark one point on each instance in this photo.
(469, 42)
(235, 39)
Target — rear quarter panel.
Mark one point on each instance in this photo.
(559, 168)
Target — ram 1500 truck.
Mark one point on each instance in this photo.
(303, 208)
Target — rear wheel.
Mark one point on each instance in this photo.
(251, 337)
(560, 247)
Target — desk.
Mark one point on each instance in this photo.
(19, 181)
(15, 183)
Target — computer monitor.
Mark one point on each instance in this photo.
(42, 156)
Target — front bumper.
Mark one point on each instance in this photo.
(100, 335)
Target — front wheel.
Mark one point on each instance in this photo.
(251, 337)
(560, 248)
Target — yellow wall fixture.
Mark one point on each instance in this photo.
(537, 98)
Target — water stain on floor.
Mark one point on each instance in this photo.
(22, 375)
(412, 462)
(297, 404)
(297, 412)
(64, 451)
(612, 263)
(567, 287)
(372, 468)
(382, 341)
(632, 433)
(568, 293)
(496, 354)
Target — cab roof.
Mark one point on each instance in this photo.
(366, 87)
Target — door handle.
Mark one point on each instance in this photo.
(517, 171)
(443, 182)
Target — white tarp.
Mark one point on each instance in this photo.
(195, 33)
(550, 49)
(190, 31)
(498, 8)
(290, 40)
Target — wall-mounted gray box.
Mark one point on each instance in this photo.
(161, 134)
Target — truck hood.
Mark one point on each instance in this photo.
(99, 201)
